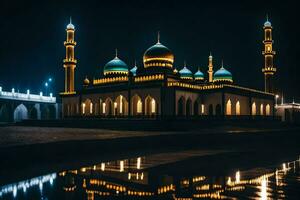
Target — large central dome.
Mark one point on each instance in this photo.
(158, 55)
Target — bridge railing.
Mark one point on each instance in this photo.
(27, 96)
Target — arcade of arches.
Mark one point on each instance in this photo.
(13, 112)
(149, 106)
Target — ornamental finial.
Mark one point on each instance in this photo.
(222, 66)
(116, 53)
(158, 37)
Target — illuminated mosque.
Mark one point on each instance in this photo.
(159, 89)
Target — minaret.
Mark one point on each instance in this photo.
(268, 53)
(70, 61)
(210, 69)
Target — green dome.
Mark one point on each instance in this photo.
(115, 66)
(222, 75)
(199, 75)
(185, 73)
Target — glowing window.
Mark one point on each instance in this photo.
(253, 109)
(202, 108)
(228, 107)
(139, 106)
(121, 104)
(261, 109)
(268, 110)
(91, 108)
(238, 108)
(104, 108)
(153, 106)
(83, 108)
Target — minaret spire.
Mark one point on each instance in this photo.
(268, 69)
(69, 62)
(116, 53)
(158, 37)
(210, 68)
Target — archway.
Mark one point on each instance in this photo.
(121, 106)
(33, 113)
(261, 109)
(196, 108)
(107, 107)
(237, 108)
(6, 113)
(210, 110)
(137, 105)
(228, 107)
(188, 107)
(150, 106)
(181, 106)
(218, 110)
(87, 107)
(20, 113)
(268, 110)
(253, 109)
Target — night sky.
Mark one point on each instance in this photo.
(32, 35)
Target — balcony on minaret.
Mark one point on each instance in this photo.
(71, 42)
(268, 52)
(269, 70)
(70, 60)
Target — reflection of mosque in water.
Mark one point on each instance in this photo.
(155, 177)
(136, 179)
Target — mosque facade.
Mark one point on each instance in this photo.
(159, 89)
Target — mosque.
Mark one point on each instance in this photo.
(159, 89)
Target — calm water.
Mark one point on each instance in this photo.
(161, 176)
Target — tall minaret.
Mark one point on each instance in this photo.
(210, 69)
(70, 61)
(269, 69)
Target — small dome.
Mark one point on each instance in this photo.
(185, 73)
(115, 66)
(223, 75)
(70, 26)
(133, 70)
(199, 75)
(175, 71)
(267, 24)
(86, 81)
(158, 55)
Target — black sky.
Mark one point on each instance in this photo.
(32, 35)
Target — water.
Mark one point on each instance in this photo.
(178, 176)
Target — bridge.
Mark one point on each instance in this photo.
(16, 106)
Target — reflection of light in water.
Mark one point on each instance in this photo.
(237, 177)
(229, 181)
(24, 185)
(276, 177)
(263, 189)
(102, 166)
(138, 164)
(284, 167)
(121, 166)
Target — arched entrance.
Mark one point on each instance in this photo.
(33, 113)
(107, 107)
(253, 109)
(188, 108)
(121, 106)
(238, 108)
(181, 106)
(20, 113)
(6, 113)
(150, 106)
(228, 107)
(137, 105)
(268, 110)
